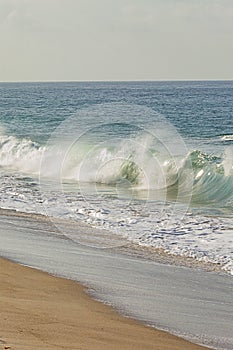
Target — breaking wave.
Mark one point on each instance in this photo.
(137, 163)
(227, 138)
(23, 155)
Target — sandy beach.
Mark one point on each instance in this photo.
(39, 311)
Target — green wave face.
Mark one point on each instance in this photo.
(130, 172)
(213, 178)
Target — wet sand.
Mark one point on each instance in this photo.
(39, 311)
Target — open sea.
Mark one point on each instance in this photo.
(98, 178)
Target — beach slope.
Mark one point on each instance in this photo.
(39, 311)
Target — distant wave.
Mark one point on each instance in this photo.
(227, 138)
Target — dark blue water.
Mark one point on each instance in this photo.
(196, 109)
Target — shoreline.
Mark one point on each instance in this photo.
(40, 311)
(186, 302)
(131, 249)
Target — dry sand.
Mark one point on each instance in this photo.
(38, 311)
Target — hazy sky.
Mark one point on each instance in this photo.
(116, 39)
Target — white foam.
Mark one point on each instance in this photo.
(227, 138)
(23, 155)
(228, 161)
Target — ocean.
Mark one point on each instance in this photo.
(150, 162)
(117, 184)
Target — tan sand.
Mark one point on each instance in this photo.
(38, 311)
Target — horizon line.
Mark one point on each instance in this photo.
(110, 81)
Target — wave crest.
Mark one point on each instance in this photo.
(129, 164)
(23, 155)
(227, 138)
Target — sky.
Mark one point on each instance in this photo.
(97, 40)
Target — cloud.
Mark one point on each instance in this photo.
(137, 14)
(18, 15)
(21, 21)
